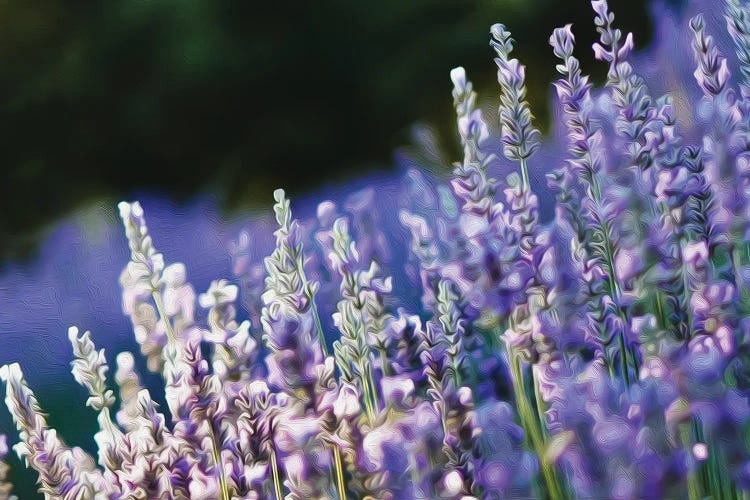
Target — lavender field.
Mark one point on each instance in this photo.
(552, 317)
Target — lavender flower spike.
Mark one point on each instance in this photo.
(5, 486)
(288, 318)
(471, 126)
(234, 348)
(597, 245)
(573, 90)
(712, 73)
(360, 316)
(470, 182)
(609, 48)
(440, 352)
(190, 391)
(294, 336)
(520, 137)
(129, 385)
(140, 282)
(155, 462)
(89, 369)
(738, 24)
(254, 445)
(63, 472)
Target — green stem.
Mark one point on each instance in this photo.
(110, 424)
(615, 293)
(223, 486)
(275, 474)
(534, 435)
(366, 398)
(373, 388)
(339, 473)
(525, 184)
(314, 308)
(414, 473)
(624, 359)
(383, 361)
(658, 210)
(319, 326)
(539, 408)
(660, 311)
(737, 264)
(162, 314)
(693, 480)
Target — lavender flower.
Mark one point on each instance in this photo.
(520, 138)
(597, 245)
(361, 317)
(129, 384)
(440, 353)
(191, 392)
(738, 25)
(254, 444)
(89, 369)
(235, 349)
(288, 318)
(63, 472)
(148, 451)
(140, 282)
(712, 73)
(5, 486)
(470, 181)
(295, 337)
(601, 354)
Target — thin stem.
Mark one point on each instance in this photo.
(339, 473)
(614, 286)
(366, 398)
(162, 314)
(737, 266)
(525, 185)
(319, 328)
(688, 295)
(373, 388)
(275, 474)
(658, 211)
(414, 475)
(534, 436)
(110, 424)
(383, 361)
(539, 406)
(660, 312)
(693, 479)
(624, 359)
(223, 486)
(314, 308)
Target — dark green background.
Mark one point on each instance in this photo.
(111, 98)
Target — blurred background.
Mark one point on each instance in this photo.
(105, 99)
(171, 102)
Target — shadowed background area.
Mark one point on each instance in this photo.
(236, 98)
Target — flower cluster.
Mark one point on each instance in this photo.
(602, 353)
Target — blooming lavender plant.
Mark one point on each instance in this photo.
(604, 353)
